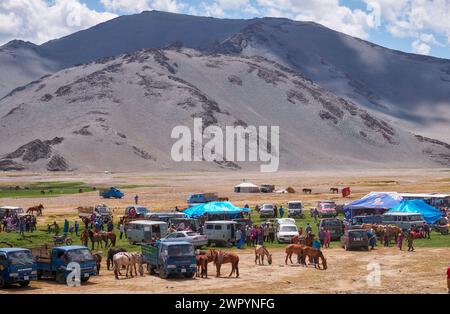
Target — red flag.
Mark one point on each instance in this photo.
(346, 192)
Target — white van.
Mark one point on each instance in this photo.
(403, 220)
(145, 231)
(221, 232)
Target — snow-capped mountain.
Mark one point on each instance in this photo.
(119, 113)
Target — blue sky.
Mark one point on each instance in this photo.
(419, 26)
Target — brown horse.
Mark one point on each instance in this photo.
(306, 240)
(334, 190)
(220, 257)
(202, 259)
(98, 261)
(294, 249)
(307, 191)
(108, 237)
(95, 237)
(260, 252)
(314, 255)
(84, 237)
(38, 209)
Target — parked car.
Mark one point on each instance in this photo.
(17, 266)
(335, 226)
(266, 188)
(326, 209)
(403, 220)
(170, 258)
(100, 210)
(198, 240)
(11, 211)
(202, 198)
(286, 232)
(282, 221)
(266, 211)
(221, 232)
(355, 238)
(442, 225)
(295, 209)
(52, 262)
(139, 211)
(145, 231)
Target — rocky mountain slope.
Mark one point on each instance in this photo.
(118, 114)
(410, 89)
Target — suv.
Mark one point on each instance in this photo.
(326, 209)
(295, 209)
(267, 211)
(355, 238)
(335, 226)
(267, 188)
(286, 232)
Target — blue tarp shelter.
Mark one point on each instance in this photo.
(373, 203)
(214, 208)
(429, 213)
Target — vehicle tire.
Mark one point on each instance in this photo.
(2, 283)
(189, 275)
(69, 242)
(346, 247)
(152, 270)
(162, 273)
(60, 278)
(39, 275)
(85, 279)
(366, 248)
(24, 283)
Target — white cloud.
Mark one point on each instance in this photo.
(420, 47)
(137, 6)
(39, 21)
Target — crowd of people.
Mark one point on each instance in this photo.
(21, 224)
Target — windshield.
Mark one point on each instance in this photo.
(181, 250)
(295, 205)
(358, 234)
(21, 258)
(288, 228)
(103, 210)
(328, 206)
(267, 207)
(80, 255)
(334, 223)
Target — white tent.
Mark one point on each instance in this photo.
(246, 187)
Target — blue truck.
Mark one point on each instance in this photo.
(112, 192)
(170, 258)
(17, 266)
(52, 262)
(201, 198)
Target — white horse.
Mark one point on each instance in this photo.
(130, 260)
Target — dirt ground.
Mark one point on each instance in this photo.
(401, 272)
(422, 271)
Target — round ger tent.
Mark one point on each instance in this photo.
(214, 208)
(429, 213)
(246, 187)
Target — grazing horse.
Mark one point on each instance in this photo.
(334, 190)
(294, 249)
(307, 191)
(314, 255)
(111, 253)
(130, 260)
(38, 209)
(220, 257)
(98, 261)
(260, 252)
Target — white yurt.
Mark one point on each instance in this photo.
(246, 187)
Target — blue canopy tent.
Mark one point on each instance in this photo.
(215, 208)
(373, 203)
(429, 213)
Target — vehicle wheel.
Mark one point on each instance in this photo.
(24, 283)
(367, 248)
(39, 275)
(346, 247)
(189, 275)
(152, 270)
(69, 242)
(85, 279)
(60, 278)
(2, 283)
(162, 273)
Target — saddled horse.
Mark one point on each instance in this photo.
(220, 257)
(130, 260)
(294, 249)
(303, 239)
(314, 255)
(260, 252)
(38, 209)
(111, 253)
(96, 237)
(98, 261)
(108, 237)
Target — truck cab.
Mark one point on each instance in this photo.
(17, 266)
(52, 262)
(170, 258)
(112, 192)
